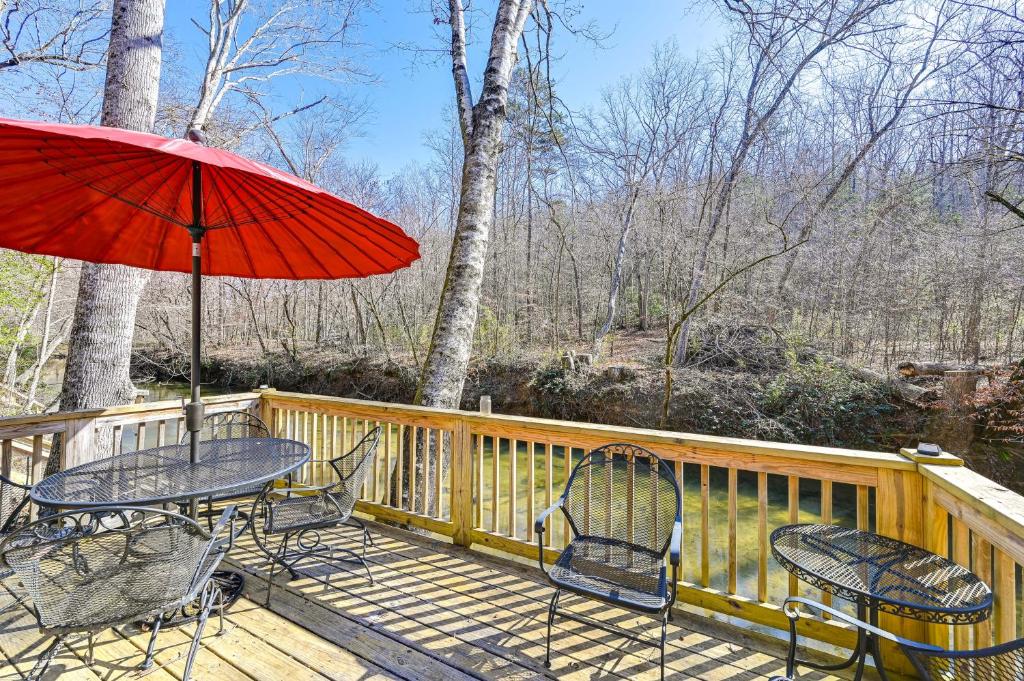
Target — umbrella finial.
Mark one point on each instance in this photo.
(196, 135)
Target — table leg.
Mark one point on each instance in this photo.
(876, 649)
(859, 654)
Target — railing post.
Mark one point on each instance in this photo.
(899, 513)
(462, 483)
(79, 442)
(264, 410)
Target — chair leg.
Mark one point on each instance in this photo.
(39, 668)
(90, 656)
(209, 513)
(209, 593)
(151, 648)
(552, 607)
(664, 626)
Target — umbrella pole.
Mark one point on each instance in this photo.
(194, 409)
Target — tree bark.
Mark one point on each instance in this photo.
(100, 341)
(444, 370)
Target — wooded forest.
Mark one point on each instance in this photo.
(840, 177)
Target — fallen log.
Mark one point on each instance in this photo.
(908, 391)
(913, 369)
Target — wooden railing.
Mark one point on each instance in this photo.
(482, 479)
(25, 441)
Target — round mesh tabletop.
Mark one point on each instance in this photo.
(164, 474)
(884, 573)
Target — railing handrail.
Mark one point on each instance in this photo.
(11, 423)
(610, 433)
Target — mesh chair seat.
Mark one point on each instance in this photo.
(305, 513)
(614, 571)
(998, 663)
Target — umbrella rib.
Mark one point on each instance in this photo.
(166, 232)
(310, 213)
(325, 243)
(65, 224)
(244, 186)
(215, 185)
(61, 190)
(363, 218)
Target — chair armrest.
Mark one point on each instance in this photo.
(227, 519)
(793, 613)
(538, 526)
(8, 481)
(675, 547)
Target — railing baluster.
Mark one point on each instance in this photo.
(826, 519)
(1006, 597)
(530, 484)
(794, 517)
(982, 566)
(161, 432)
(388, 499)
(549, 473)
(6, 457)
(116, 443)
(140, 438)
(513, 456)
(413, 446)
(733, 512)
(376, 472)
(705, 525)
(426, 462)
(762, 536)
(863, 519)
(478, 519)
(438, 448)
(587, 485)
(962, 556)
(400, 467)
(566, 529)
(495, 482)
(38, 466)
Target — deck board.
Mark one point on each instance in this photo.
(435, 612)
(438, 597)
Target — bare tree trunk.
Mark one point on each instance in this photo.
(100, 341)
(444, 370)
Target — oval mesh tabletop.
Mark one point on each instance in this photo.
(890, 575)
(164, 474)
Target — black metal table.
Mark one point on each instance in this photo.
(164, 475)
(879, 574)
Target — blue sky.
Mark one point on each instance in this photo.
(411, 94)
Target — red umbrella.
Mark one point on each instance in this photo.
(115, 196)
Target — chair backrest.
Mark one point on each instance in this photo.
(626, 493)
(353, 467)
(106, 565)
(14, 502)
(1004, 662)
(230, 424)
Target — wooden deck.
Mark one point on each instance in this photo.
(436, 612)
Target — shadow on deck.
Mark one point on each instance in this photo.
(435, 613)
(438, 611)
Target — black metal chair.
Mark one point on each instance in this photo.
(624, 507)
(223, 426)
(304, 511)
(1004, 662)
(94, 570)
(14, 514)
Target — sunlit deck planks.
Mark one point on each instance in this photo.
(485, 618)
(436, 612)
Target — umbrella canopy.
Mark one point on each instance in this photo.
(114, 196)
